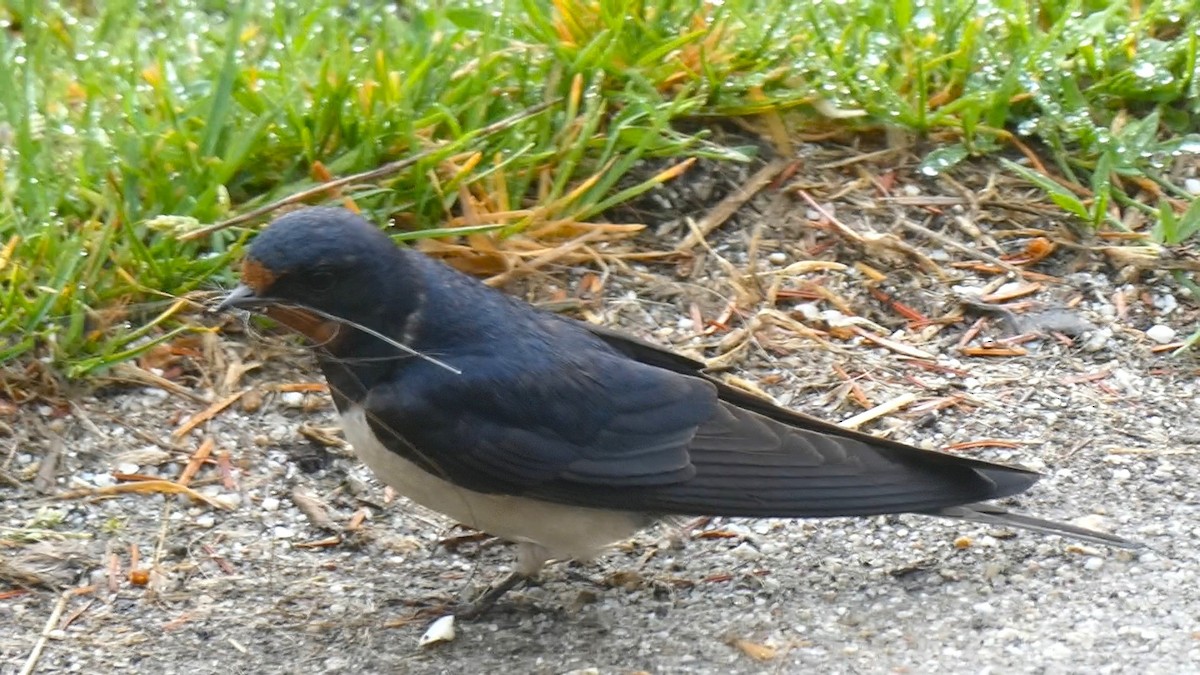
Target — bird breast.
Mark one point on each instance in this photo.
(563, 531)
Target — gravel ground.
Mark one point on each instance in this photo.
(237, 585)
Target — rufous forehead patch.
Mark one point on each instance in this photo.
(257, 276)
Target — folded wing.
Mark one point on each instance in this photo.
(591, 427)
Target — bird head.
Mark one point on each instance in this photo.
(316, 269)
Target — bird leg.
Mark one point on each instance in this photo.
(484, 602)
(530, 559)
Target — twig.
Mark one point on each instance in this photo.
(55, 615)
(894, 345)
(378, 172)
(48, 468)
(160, 544)
(837, 224)
(878, 411)
(963, 248)
(544, 259)
(131, 372)
(730, 204)
(206, 414)
(197, 460)
(159, 486)
(865, 157)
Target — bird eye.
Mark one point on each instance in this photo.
(321, 280)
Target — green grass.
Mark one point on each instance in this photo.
(116, 114)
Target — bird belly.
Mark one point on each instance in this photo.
(564, 531)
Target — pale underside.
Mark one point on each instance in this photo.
(543, 530)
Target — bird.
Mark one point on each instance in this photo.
(562, 436)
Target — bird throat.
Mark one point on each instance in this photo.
(320, 330)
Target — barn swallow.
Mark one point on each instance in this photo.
(561, 436)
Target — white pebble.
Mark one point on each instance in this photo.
(745, 552)
(441, 630)
(809, 311)
(283, 532)
(1097, 340)
(270, 504)
(230, 501)
(1010, 287)
(1093, 563)
(127, 467)
(1121, 474)
(292, 399)
(1192, 185)
(1161, 334)
(778, 258)
(206, 520)
(1166, 303)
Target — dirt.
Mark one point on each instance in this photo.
(269, 574)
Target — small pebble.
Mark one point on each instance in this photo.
(1161, 334)
(745, 552)
(270, 504)
(1166, 303)
(1092, 564)
(283, 532)
(206, 520)
(1097, 340)
(127, 467)
(230, 501)
(292, 399)
(983, 608)
(778, 258)
(809, 310)
(1192, 185)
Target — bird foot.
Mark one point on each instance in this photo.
(486, 600)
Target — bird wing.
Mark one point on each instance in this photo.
(754, 453)
(515, 425)
(573, 422)
(845, 498)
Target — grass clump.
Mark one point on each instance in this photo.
(124, 124)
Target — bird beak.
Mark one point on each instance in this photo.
(242, 297)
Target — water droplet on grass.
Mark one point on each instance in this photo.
(1145, 70)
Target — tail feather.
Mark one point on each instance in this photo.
(995, 515)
